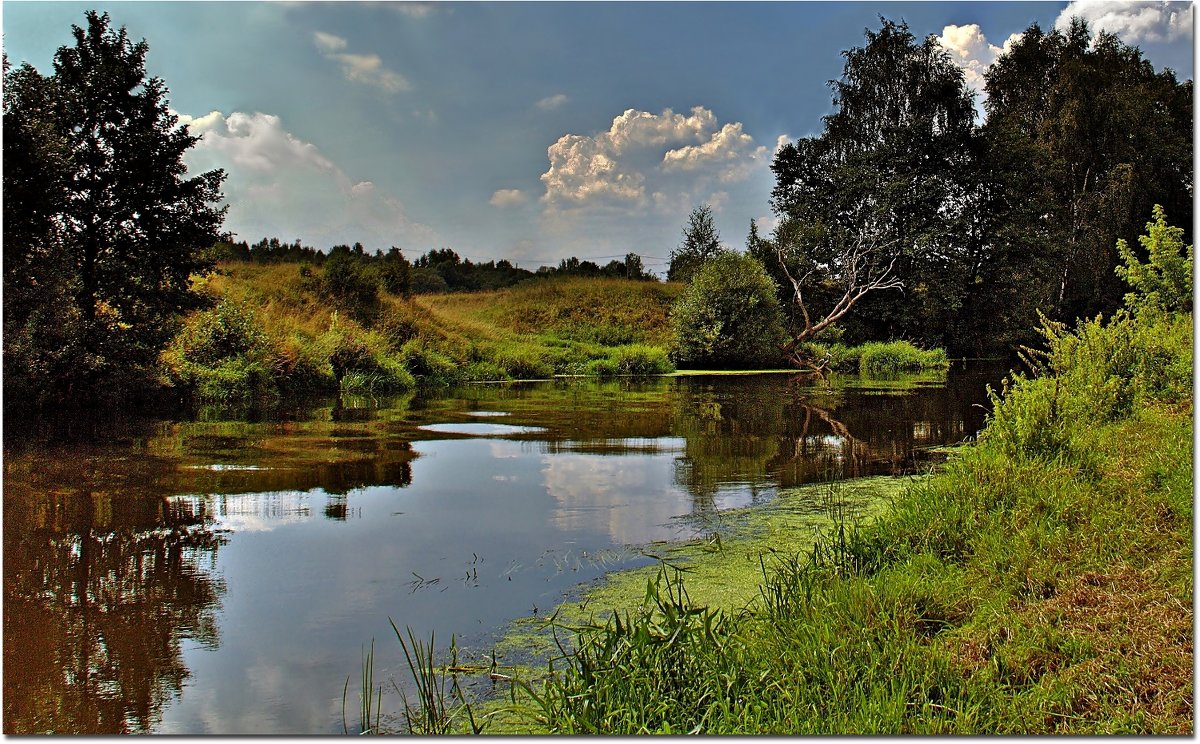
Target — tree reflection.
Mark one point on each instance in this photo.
(100, 591)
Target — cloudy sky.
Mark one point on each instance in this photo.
(528, 131)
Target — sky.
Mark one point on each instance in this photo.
(526, 131)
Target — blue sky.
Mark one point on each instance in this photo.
(528, 131)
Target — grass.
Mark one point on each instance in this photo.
(1040, 584)
(273, 332)
(874, 357)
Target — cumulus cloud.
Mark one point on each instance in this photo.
(507, 198)
(1133, 21)
(367, 69)
(971, 50)
(549, 103)
(673, 153)
(280, 186)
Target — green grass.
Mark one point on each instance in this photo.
(1040, 584)
(272, 333)
(875, 358)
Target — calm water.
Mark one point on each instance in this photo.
(222, 576)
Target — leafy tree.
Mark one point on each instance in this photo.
(892, 170)
(1165, 281)
(728, 317)
(395, 272)
(130, 228)
(701, 242)
(1104, 137)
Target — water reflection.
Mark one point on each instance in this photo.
(219, 575)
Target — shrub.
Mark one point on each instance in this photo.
(728, 317)
(1166, 281)
(427, 365)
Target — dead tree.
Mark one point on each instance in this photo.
(858, 268)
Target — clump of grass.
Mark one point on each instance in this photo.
(632, 360)
(880, 358)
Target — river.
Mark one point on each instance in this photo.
(222, 573)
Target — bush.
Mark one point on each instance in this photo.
(728, 317)
(429, 366)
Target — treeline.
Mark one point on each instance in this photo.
(969, 229)
(439, 270)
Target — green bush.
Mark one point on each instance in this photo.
(728, 317)
(1165, 282)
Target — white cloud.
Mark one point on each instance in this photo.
(367, 69)
(507, 198)
(328, 42)
(415, 9)
(676, 154)
(730, 150)
(280, 186)
(970, 50)
(1139, 20)
(549, 103)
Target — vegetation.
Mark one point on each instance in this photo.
(983, 226)
(282, 328)
(102, 229)
(1040, 584)
(701, 242)
(728, 316)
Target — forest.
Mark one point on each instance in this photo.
(908, 218)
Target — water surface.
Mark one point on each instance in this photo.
(222, 574)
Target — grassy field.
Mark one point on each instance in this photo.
(275, 330)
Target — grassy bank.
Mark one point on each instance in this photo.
(1042, 583)
(285, 328)
(277, 329)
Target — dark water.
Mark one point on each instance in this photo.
(222, 576)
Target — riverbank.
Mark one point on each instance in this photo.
(288, 329)
(1040, 584)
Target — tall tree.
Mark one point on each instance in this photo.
(1106, 138)
(132, 227)
(892, 170)
(701, 242)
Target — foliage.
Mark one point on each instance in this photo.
(1096, 137)
(118, 228)
(877, 358)
(634, 360)
(1166, 281)
(728, 317)
(880, 195)
(701, 242)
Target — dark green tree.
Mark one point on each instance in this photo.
(1106, 138)
(728, 317)
(891, 171)
(701, 242)
(131, 228)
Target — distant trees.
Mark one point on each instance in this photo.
(701, 242)
(103, 228)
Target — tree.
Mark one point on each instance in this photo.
(701, 242)
(1165, 281)
(728, 317)
(892, 170)
(1104, 138)
(131, 228)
